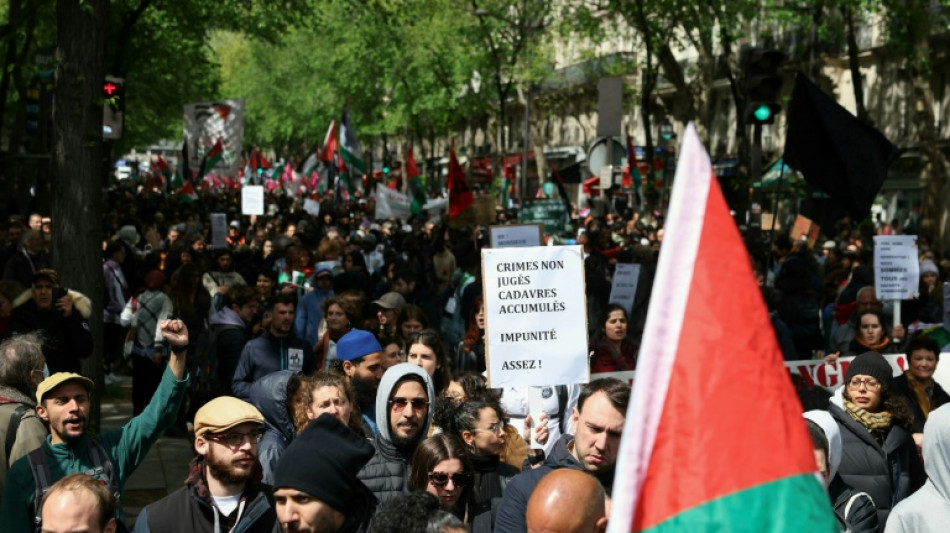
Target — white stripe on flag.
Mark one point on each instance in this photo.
(662, 329)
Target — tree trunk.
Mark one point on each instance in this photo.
(77, 165)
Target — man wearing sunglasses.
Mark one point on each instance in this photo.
(223, 492)
(403, 416)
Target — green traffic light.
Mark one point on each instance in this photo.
(385, 170)
(762, 113)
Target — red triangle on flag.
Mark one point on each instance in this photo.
(707, 441)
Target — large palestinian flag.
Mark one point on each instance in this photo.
(714, 439)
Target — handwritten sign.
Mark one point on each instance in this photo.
(518, 235)
(252, 200)
(896, 270)
(536, 329)
(623, 290)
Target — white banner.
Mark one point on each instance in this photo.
(205, 123)
(536, 327)
(516, 235)
(390, 203)
(623, 290)
(896, 267)
(252, 200)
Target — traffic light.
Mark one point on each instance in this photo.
(763, 83)
(113, 107)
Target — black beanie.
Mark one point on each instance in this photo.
(323, 461)
(871, 364)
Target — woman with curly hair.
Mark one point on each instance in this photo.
(879, 456)
(329, 392)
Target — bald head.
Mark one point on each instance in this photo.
(567, 501)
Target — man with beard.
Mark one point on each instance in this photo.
(223, 491)
(276, 349)
(598, 422)
(63, 402)
(360, 359)
(402, 410)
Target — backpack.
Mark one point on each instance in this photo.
(102, 469)
(454, 323)
(12, 427)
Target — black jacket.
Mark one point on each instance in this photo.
(861, 517)
(884, 472)
(902, 387)
(190, 509)
(66, 340)
(511, 513)
(490, 481)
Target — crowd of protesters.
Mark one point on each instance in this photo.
(330, 371)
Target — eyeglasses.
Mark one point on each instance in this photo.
(399, 403)
(233, 440)
(497, 427)
(869, 384)
(459, 479)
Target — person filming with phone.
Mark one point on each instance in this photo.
(60, 315)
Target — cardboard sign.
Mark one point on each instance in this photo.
(516, 235)
(896, 270)
(219, 230)
(805, 229)
(536, 327)
(623, 290)
(252, 200)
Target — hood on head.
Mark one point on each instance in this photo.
(394, 375)
(269, 395)
(226, 317)
(833, 433)
(936, 449)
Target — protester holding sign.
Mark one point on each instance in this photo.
(613, 351)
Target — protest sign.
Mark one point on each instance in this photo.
(536, 332)
(896, 270)
(219, 230)
(551, 213)
(516, 235)
(252, 200)
(390, 203)
(623, 290)
(207, 123)
(311, 206)
(805, 229)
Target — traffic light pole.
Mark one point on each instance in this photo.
(755, 156)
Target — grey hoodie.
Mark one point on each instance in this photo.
(928, 509)
(385, 474)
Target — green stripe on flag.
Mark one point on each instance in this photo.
(796, 504)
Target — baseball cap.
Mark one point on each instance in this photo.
(58, 379)
(224, 413)
(391, 300)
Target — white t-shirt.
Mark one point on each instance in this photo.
(514, 400)
(226, 504)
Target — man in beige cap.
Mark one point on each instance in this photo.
(63, 402)
(223, 492)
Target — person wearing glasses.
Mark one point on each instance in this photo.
(403, 417)
(442, 468)
(879, 456)
(480, 423)
(223, 491)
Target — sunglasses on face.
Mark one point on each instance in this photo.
(399, 403)
(460, 479)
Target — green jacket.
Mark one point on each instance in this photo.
(126, 446)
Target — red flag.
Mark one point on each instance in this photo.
(258, 161)
(412, 170)
(680, 469)
(460, 196)
(329, 143)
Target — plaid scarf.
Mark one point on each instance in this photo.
(877, 424)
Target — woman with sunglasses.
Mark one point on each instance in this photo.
(480, 422)
(878, 454)
(441, 467)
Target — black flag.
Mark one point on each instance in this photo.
(835, 151)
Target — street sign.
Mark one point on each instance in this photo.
(551, 213)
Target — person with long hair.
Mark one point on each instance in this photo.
(411, 318)
(872, 335)
(427, 351)
(878, 454)
(329, 392)
(441, 467)
(612, 350)
(340, 317)
(470, 354)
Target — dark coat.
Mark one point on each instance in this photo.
(66, 340)
(386, 473)
(265, 355)
(902, 387)
(490, 481)
(884, 472)
(861, 517)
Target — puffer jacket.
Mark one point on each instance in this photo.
(884, 472)
(192, 509)
(269, 395)
(385, 474)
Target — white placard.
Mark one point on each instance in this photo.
(536, 326)
(896, 267)
(252, 200)
(219, 230)
(623, 291)
(390, 203)
(311, 206)
(516, 236)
